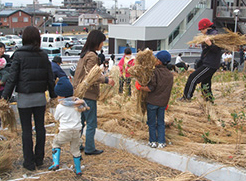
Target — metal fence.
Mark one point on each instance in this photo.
(174, 53)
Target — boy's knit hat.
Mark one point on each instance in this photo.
(2, 63)
(64, 87)
(164, 56)
(57, 59)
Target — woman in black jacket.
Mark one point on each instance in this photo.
(211, 55)
(31, 75)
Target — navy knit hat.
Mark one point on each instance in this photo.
(64, 87)
(164, 56)
(57, 59)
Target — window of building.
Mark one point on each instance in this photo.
(173, 35)
(14, 19)
(192, 14)
(19, 13)
(88, 20)
(25, 19)
(5, 20)
(158, 45)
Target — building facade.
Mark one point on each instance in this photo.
(96, 19)
(15, 19)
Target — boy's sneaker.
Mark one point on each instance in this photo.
(152, 144)
(161, 145)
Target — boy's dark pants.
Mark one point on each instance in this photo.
(26, 123)
(204, 75)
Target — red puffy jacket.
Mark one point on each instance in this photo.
(129, 64)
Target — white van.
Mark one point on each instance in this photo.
(52, 40)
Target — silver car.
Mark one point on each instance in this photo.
(13, 38)
(75, 50)
(5, 41)
(83, 40)
(18, 44)
(70, 41)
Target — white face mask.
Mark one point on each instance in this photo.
(128, 56)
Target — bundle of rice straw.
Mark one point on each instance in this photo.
(229, 41)
(108, 91)
(143, 71)
(88, 81)
(7, 115)
(5, 156)
(52, 103)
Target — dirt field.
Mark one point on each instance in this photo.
(112, 165)
(213, 131)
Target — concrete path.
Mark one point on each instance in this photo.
(210, 170)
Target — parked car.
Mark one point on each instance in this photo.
(69, 41)
(75, 50)
(5, 41)
(52, 40)
(10, 53)
(13, 38)
(83, 40)
(18, 44)
(52, 51)
(105, 49)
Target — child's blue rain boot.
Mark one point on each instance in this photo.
(77, 166)
(56, 158)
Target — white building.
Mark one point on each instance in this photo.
(89, 20)
(166, 25)
(96, 19)
(125, 15)
(140, 5)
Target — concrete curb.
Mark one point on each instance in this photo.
(211, 171)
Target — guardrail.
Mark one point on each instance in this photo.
(174, 53)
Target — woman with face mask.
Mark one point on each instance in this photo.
(125, 63)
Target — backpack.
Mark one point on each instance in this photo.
(72, 69)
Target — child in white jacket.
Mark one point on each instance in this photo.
(68, 114)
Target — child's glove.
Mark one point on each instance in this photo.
(166, 107)
(81, 105)
(137, 85)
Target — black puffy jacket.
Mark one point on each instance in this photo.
(30, 72)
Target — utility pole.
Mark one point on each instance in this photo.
(115, 7)
(33, 21)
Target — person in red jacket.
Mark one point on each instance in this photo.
(125, 63)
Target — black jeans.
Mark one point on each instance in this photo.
(204, 75)
(31, 157)
(128, 85)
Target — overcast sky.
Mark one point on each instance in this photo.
(107, 3)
